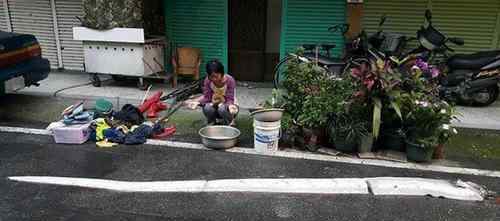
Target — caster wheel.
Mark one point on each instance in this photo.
(143, 84)
(96, 81)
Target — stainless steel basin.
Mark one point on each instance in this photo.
(268, 115)
(219, 137)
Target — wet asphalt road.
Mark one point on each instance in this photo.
(22, 155)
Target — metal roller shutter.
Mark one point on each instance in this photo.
(307, 22)
(72, 51)
(404, 17)
(3, 16)
(473, 20)
(199, 24)
(477, 21)
(35, 17)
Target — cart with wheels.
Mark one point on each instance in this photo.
(122, 53)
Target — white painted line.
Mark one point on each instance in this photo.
(293, 154)
(176, 144)
(25, 130)
(314, 186)
(405, 186)
(121, 186)
(319, 186)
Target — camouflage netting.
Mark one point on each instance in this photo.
(108, 14)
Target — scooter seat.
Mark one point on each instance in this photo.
(324, 59)
(473, 61)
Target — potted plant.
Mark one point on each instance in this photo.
(378, 86)
(347, 131)
(426, 117)
(310, 97)
(426, 120)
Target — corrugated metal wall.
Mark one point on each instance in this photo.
(200, 24)
(35, 17)
(307, 22)
(474, 20)
(3, 19)
(72, 51)
(402, 16)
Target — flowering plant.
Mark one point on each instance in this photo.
(427, 119)
(426, 69)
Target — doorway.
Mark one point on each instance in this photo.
(254, 35)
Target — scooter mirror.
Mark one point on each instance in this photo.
(428, 15)
(382, 20)
(457, 41)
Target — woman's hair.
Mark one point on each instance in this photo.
(214, 66)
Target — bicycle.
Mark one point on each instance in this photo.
(334, 67)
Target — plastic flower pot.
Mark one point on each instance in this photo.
(366, 144)
(392, 141)
(418, 153)
(345, 146)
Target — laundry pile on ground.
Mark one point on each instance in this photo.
(108, 128)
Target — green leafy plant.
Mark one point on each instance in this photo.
(311, 95)
(347, 128)
(379, 86)
(427, 118)
(277, 100)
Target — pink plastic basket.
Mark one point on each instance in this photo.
(74, 134)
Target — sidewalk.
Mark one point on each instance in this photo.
(248, 96)
(470, 149)
(127, 92)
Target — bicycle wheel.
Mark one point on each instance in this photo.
(353, 63)
(278, 70)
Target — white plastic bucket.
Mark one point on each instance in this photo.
(266, 135)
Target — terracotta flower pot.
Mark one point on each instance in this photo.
(313, 138)
(438, 152)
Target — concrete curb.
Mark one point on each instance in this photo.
(297, 155)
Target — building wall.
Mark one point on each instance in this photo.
(273, 35)
(273, 26)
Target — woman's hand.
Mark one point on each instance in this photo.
(233, 109)
(193, 105)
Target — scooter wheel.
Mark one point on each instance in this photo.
(485, 97)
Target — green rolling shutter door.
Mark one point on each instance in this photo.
(200, 24)
(307, 22)
(474, 20)
(404, 17)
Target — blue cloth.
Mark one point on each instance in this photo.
(114, 135)
(139, 135)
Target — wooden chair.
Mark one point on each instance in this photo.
(186, 62)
